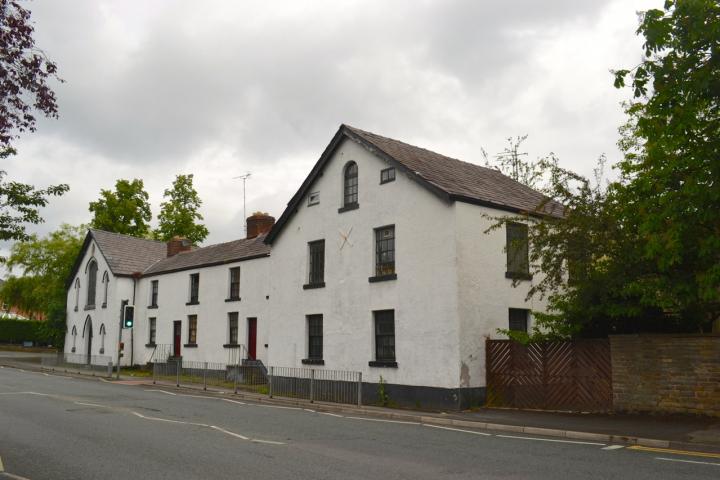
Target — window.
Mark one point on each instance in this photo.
(92, 283)
(387, 175)
(518, 320)
(316, 267)
(102, 338)
(192, 330)
(313, 199)
(194, 288)
(233, 328)
(77, 293)
(350, 185)
(384, 339)
(315, 338)
(234, 283)
(154, 286)
(385, 251)
(518, 264)
(152, 322)
(106, 283)
(73, 332)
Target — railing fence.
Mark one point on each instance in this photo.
(76, 362)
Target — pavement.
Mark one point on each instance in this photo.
(65, 427)
(663, 431)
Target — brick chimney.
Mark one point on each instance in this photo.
(259, 223)
(177, 245)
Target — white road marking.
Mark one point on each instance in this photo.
(195, 396)
(234, 401)
(457, 430)
(14, 477)
(26, 393)
(157, 419)
(384, 421)
(687, 461)
(229, 432)
(613, 447)
(550, 440)
(309, 410)
(161, 391)
(331, 414)
(275, 406)
(269, 442)
(91, 404)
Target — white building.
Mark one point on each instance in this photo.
(381, 264)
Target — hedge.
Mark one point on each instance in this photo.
(18, 331)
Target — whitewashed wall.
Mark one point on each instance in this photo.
(485, 295)
(118, 288)
(212, 310)
(424, 296)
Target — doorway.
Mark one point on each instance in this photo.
(177, 337)
(252, 338)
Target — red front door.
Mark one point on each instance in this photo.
(252, 338)
(177, 335)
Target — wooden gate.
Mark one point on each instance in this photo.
(574, 375)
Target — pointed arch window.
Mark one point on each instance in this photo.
(91, 269)
(106, 282)
(77, 293)
(102, 338)
(350, 186)
(73, 332)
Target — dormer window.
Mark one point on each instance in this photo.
(350, 187)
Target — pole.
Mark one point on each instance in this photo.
(270, 381)
(205, 377)
(359, 386)
(177, 372)
(154, 372)
(120, 329)
(312, 384)
(235, 377)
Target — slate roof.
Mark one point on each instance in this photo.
(127, 255)
(449, 178)
(244, 249)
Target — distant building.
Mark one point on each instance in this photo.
(380, 263)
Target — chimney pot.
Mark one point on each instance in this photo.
(259, 223)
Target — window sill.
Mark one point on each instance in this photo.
(518, 275)
(104, 305)
(193, 303)
(150, 307)
(310, 286)
(383, 364)
(313, 361)
(72, 350)
(383, 278)
(150, 345)
(190, 345)
(102, 350)
(233, 299)
(231, 345)
(347, 208)
(89, 307)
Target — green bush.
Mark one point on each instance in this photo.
(18, 331)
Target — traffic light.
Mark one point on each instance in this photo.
(128, 316)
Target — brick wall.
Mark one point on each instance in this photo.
(666, 373)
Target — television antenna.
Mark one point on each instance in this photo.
(244, 178)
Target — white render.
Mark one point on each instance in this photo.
(450, 295)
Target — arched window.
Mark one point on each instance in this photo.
(350, 185)
(77, 293)
(106, 282)
(102, 339)
(91, 269)
(73, 332)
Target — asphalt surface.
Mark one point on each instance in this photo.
(55, 427)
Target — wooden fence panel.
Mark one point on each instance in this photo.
(574, 375)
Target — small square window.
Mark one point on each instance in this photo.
(387, 175)
(313, 199)
(518, 319)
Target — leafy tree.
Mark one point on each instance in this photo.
(45, 264)
(24, 72)
(179, 213)
(671, 168)
(125, 210)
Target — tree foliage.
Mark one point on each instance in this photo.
(125, 210)
(671, 168)
(24, 73)
(43, 265)
(179, 213)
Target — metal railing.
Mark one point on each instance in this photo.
(160, 354)
(79, 363)
(338, 386)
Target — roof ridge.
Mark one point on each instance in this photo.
(124, 235)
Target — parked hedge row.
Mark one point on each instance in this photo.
(18, 331)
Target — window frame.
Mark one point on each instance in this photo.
(313, 199)
(91, 290)
(316, 264)
(233, 316)
(517, 248)
(152, 331)
(192, 331)
(350, 186)
(385, 341)
(384, 247)
(194, 300)
(106, 283)
(154, 292)
(233, 286)
(315, 345)
(387, 175)
(525, 319)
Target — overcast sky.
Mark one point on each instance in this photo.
(221, 88)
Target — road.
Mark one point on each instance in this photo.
(55, 427)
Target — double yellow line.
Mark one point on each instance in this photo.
(674, 452)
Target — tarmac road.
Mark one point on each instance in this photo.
(55, 427)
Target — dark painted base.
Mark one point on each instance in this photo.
(424, 398)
